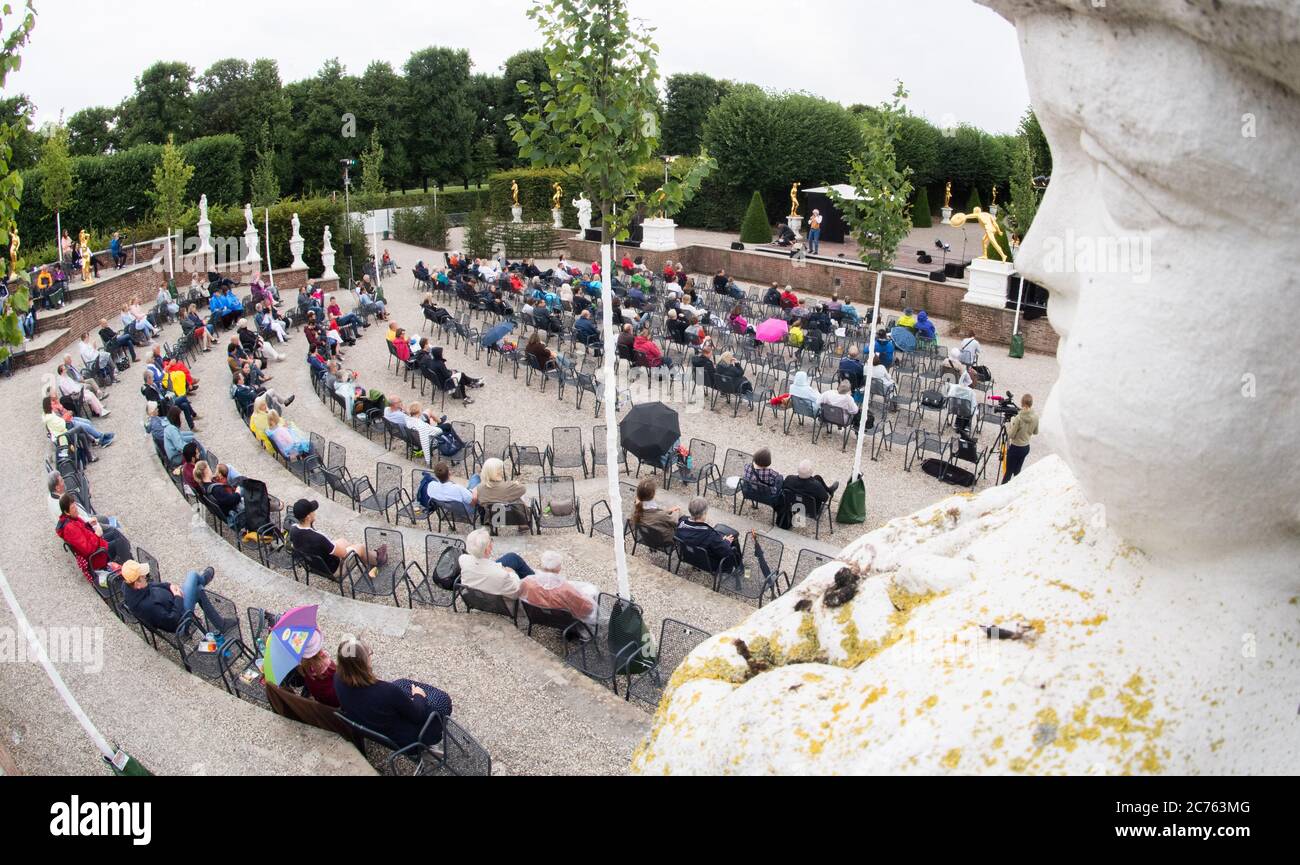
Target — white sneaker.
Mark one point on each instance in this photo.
(106, 413)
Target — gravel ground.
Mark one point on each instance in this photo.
(513, 693)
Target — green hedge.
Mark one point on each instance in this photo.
(537, 191)
(921, 209)
(112, 191)
(756, 228)
(313, 213)
(421, 226)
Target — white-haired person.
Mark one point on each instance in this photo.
(495, 490)
(841, 396)
(803, 487)
(549, 590)
(481, 572)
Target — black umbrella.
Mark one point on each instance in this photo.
(649, 431)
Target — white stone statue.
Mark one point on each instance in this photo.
(584, 213)
(251, 241)
(248, 218)
(1141, 586)
(327, 256)
(296, 244)
(205, 228)
(203, 208)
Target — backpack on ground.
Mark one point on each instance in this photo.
(447, 571)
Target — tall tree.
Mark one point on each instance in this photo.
(18, 300)
(57, 178)
(372, 174)
(265, 183)
(1023, 206)
(485, 159)
(439, 78)
(318, 108)
(171, 177)
(485, 96)
(18, 113)
(383, 101)
(597, 118)
(529, 66)
(690, 98)
(160, 107)
(1039, 151)
(91, 133)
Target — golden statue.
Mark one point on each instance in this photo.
(659, 199)
(559, 196)
(988, 223)
(15, 243)
(514, 191)
(947, 195)
(794, 200)
(995, 197)
(83, 244)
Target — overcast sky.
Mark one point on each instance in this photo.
(960, 61)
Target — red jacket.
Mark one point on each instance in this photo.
(653, 356)
(90, 549)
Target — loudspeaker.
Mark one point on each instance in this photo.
(631, 244)
(938, 276)
(738, 246)
(923, 257)
(954, 270)
(347, 250)
(593, 234)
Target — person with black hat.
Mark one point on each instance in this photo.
(308, 541)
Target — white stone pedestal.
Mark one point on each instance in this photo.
(993, 209)
(988, 282)
(251, 243)
(947, 214)
(557, 217)
(296, 246)
(796, 225)
(205, 238)
(518, 214)
(659, 235)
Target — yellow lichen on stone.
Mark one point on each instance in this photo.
(951, 759)
(873, 695)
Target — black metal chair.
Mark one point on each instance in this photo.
(566, 450)
(381, 580)
(556, 494)
(808, 561)
(676, 641)
(804, 508)
(421, 585)
(759, 573)
(612, 648)
(604, 525)
(599, 450)
(473, 599)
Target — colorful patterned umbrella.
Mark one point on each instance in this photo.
(285, 642)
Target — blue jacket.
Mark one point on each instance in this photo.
(155, 605)
(706, 537)
(174, 440)
(885, 351)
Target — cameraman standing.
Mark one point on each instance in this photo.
(1019, 430)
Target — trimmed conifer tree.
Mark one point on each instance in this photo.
(974, 200)
(921, 209)
(755, 228)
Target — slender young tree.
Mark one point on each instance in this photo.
(372, 173)
(57, 179)
(597, 119)
(878, 215)
(265, 185)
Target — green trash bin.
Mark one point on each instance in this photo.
(1017, 345)
(853, 503)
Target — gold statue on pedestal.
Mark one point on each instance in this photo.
(988, 223)
(83, 245)
(558, 197)
(794, 200)
(659, 200)
(947, 195)
(15, 243)
(514, 192)
(994, 202)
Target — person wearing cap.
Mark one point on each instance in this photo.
(398, 709)
(547, 590)
(162, 606)
(54, 482)
(309, 541)
(815, 232)
(318, 668)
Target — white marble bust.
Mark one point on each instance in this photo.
(1154, 566)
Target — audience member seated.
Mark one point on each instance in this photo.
(309, 541)
(548, 590)
(398, 710)
(318, 668)
(449, 379)
(924, 327)
(764, 482)
(729, 367)
(291, 442)
(841, 396)
(479, 571)
(693, 530)
(884, 348)
(809, 487)
(86, 536)
(908, 320)
(851, 367)
(174, 438)
(163, 606)
(438, 488)
(59, 422)
(115, 342)
(495, 490)
(72, 390)
(656, 523)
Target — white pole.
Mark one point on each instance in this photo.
(171, 264)
(58, 236)
(1020, 299)
(871, 361)
(56, 680)
(374, 237)
(266, 229)
(611, 411)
